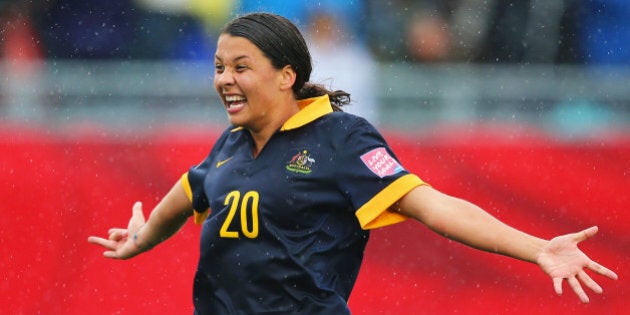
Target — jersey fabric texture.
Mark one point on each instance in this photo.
(284, 232)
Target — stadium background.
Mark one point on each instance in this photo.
(544, 146)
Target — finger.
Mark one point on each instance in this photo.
(602, 270)
(557, 285)
(95, 239)
(577, 288)
(116, 234)
(136, 211)
(109, 244)
(586, 234)
(589, 282)
(111, 254)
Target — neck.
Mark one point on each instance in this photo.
(261, 136)
(261, 139)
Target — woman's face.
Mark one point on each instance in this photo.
(246, 81)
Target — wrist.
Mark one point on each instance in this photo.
(142, 247)
(539, 250)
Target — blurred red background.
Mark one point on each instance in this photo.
(60, 187)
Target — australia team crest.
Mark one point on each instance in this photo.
(301, 162)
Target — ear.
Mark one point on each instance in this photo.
(287, 77)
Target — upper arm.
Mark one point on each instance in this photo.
(176, 202)
(424, 203)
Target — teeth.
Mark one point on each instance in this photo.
(234, 98)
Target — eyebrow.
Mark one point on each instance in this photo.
(235, 59)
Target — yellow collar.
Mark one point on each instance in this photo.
(310, 109)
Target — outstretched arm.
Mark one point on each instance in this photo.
(139, 236)
(465, 222)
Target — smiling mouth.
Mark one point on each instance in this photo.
(234, 102)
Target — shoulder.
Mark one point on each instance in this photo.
(229, 139)
(350, 125)
(348, 130)
(346, 121)
(231, 134)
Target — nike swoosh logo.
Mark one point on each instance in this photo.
(223, 162)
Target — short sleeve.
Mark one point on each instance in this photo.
(194, 179)
(193, 182)
(371, 175)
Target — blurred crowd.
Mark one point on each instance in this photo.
(527, 31)
(548, 31)
(347, 38)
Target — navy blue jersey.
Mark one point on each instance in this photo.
(284, 232)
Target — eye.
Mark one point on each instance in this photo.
(219, 68)
(241, 68)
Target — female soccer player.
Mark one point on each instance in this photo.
(290, 190)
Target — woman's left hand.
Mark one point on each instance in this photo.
(562, 259)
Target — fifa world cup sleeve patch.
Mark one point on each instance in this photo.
(381, 163)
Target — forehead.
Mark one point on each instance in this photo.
(232, 47)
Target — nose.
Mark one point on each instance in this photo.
(225, 78)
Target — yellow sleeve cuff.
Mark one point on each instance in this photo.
(375, 213)
(186, 186)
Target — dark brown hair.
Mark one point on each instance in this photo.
(281, 42)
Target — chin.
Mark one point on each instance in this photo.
(236, 122)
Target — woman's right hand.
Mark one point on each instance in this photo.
(121, 243)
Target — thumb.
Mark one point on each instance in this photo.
(136, 212)
(586, 234)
